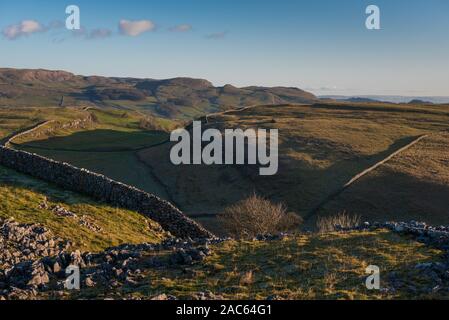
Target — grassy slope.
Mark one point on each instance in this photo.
(321, 148)
(15, 119)
(330, 266)
(20, 197)
(414, 185)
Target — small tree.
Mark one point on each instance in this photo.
(256, 215)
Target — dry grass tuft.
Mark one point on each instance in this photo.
(247, 278)
(340, 220)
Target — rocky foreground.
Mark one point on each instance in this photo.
(33, 262)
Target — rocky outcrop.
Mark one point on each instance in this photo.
(430, 235)
(104, 189)
(435, 274)
(33, 262)
(21, 242)
(62, 212)
(22, 249)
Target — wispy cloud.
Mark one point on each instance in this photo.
(23, 28)
(83, 33)
(217, 35)
(131, 28)
(181, 28)
(135, 28)
(329, 88)
(56, 24)
(99, 34)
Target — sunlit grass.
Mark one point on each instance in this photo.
(328, 266)
(21, 196)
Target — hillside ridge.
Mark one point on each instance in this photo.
(180, 98)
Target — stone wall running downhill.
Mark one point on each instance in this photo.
(102, 188)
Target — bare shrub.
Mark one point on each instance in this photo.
(149, 123)
(289, 222)
(340, 220)
(256, 215)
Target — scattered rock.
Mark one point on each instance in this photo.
(60, 211)
(22, 242)
(163, 296)
(89, 282)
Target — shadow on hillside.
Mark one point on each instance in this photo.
(313, 185)
(100, 140)
(204, 191)
(390, 195)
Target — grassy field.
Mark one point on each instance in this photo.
(103, 129)
(120, 166)
(101, 140)
(21, 197)
(108, 146)
(15, 119)
(329, 266)
(321, 148)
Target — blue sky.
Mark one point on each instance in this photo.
(319, 45)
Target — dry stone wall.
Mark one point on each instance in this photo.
(102, 188)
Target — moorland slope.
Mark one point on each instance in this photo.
(322, 147)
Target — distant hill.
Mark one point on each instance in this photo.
(183, 98)
(391, 99)
(358, 99)
(418, 101)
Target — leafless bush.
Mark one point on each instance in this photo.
(256, 215)
(340, 220)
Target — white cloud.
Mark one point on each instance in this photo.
(24, 28)
(135, 28)
(181, 28)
